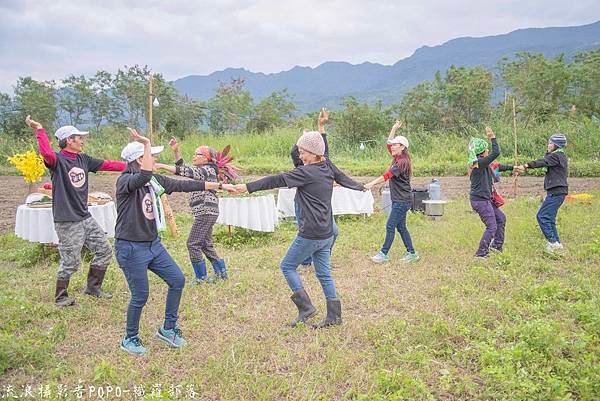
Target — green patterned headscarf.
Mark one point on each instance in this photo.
(476, 146)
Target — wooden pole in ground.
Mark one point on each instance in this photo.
(515, 177)
(169, 216)
(150, 100)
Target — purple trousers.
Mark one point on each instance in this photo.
(494, 221)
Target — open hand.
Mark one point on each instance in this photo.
(489, 133)
(137, 137)
(323, 116)
(397, 125)
(31, 123)
(174, 144)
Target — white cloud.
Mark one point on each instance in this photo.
(179, 38)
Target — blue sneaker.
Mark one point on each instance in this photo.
(172, 336)
(380, 258)
(133, 345)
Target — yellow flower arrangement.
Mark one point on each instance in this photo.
(30, 165)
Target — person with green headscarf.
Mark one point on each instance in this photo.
(482, 176)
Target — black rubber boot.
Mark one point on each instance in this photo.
(61, 296)
(94, 284)
(306, 310)
(334, 314)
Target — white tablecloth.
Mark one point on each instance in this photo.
(253, 212)
(343, 201)
(37, 224)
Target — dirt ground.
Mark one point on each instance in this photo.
(14, 191)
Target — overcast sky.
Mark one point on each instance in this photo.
(55, 38)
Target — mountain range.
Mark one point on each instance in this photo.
(328, 83)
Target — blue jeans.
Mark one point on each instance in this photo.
(298, 212)
(135, 259)
(299, 250)
(546, 216)
(397, 221)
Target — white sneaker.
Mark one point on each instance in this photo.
(554, 246)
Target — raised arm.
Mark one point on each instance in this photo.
(392, 134)
(483, 162)
(139, 180)
(43, 143)
(175, 147)
(395, 128)
(323, 118)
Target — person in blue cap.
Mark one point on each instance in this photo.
(556, 164)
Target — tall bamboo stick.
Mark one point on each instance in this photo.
(515, 177)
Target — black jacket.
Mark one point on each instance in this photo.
(557, 165)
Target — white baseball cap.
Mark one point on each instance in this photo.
(67, 131)
(133, 150)
(402, 140)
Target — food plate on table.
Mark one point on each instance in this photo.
(38, 200)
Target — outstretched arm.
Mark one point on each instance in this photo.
(376, 181)
(170, 169)
(341, 178)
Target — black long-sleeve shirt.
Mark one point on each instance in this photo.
(557, 163)
(482, 177)
(135, 207)
(314, 183)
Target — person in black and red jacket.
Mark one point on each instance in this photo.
(398, 175)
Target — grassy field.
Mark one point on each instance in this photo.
(520, 326)
(438, 154)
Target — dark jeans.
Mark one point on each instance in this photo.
(397, 221)
(135, 259)
(546, 216)
(320, 251)
(495, 222)
(298, 212)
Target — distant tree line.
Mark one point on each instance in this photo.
(461, 97)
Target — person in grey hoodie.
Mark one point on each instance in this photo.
(314, 182)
